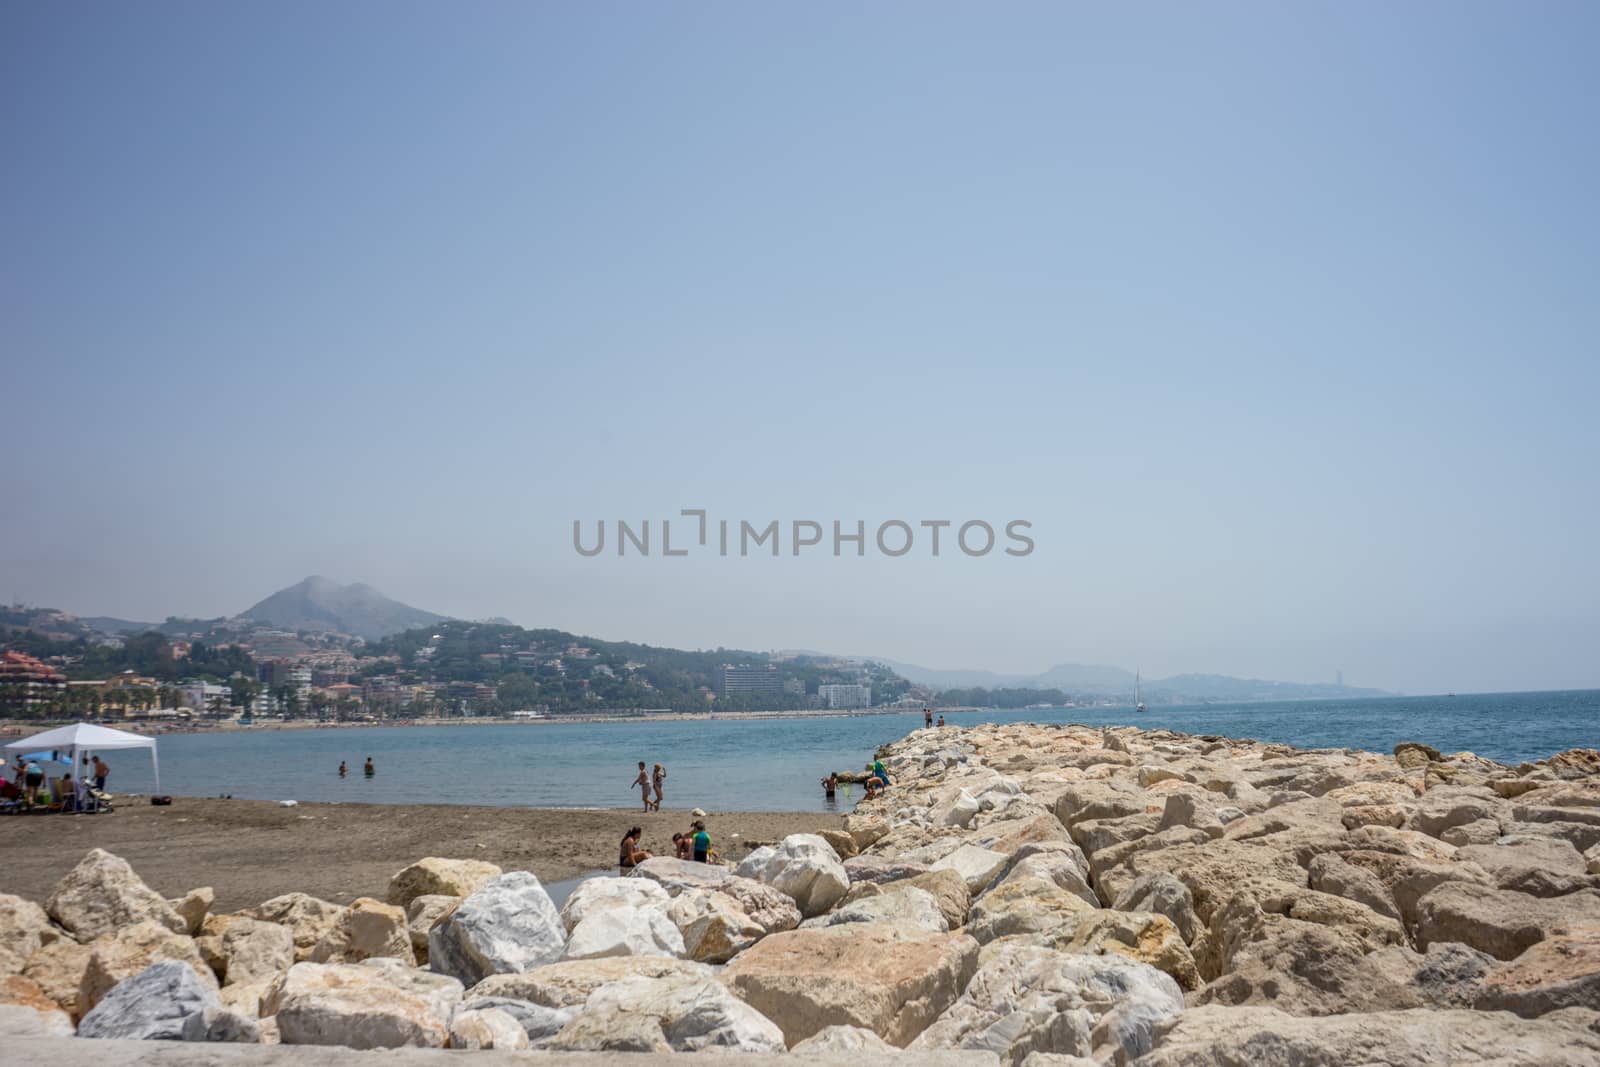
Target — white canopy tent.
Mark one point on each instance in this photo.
(80, 738)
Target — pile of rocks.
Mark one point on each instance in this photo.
(1043, 895)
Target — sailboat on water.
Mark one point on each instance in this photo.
(1138, 705)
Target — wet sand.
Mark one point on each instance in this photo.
(252, 850)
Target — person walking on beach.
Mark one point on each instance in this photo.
(643, 782)
(658, 777)
(631, 855)
(101, 773)
(369, 770)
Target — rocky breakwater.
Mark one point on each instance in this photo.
(1022, 894)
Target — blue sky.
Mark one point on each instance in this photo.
(1276, 321)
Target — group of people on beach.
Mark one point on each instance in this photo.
(694, 845)
(369, 770)
(27, 785)
(651, 780)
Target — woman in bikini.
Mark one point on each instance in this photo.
(631, 855)
(658, 777)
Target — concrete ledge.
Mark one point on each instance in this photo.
(86, 1052)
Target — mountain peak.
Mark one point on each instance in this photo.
(319, 603)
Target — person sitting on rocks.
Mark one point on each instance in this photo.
(631, 854)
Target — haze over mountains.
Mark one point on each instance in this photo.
(323, 605)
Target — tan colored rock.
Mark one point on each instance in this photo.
(366, 929)
(1141, 936)
(690, 1015)
(1024, 907)
(947, 887)
(24, 930)
(866, 830)
(1500, 922)
(568, 984)
(1411, 755)
(245, 998)
(102, 895)
(976, 865)
(773, 909)
(250, 950)
(435, 876)
(308, 918)
(193, 907)
(887, 979)
(841, 843)
(128, 951)
(1562, 971)
(58, 969)
(486, 1028)
(362, 1006)
(713, 925)
(1213, 1035)
(27, 1010)
(421, 915)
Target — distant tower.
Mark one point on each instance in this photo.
(1338, 679)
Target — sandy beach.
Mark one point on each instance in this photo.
(250, 850)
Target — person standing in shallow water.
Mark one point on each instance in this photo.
(643, 782)
(369, 770)
(658, 778)
(343, 770)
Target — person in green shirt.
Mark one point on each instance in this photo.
(702, 844)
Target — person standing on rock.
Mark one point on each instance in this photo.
(643, 782)
(927, 716)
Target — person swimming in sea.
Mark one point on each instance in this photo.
(369, 770)
(343, 769)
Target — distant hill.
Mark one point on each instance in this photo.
(319, 603)
(1115, 682)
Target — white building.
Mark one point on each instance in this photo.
(845, 696)
(199, 695)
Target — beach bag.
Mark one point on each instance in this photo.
(161, 801)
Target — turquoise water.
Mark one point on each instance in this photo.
(775, 764)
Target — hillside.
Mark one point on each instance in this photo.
(321, 604)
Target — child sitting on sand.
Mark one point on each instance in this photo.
(631, 854)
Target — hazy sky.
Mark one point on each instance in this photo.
(1278, 322)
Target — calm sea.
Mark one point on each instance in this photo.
(775, 764)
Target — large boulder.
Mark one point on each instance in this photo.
(1026, 1000)
(249, 950)
(509, 924)
(713, 925)
(58, 969)
(1500, 922)
(689, 1014)
(26, 1010)
(947, 887)
(539, 1023)
(223, 1025)
(1024, 907)
(1562, 971)
(772, 909)
(193, 907)
(434, 876)
(803, 866)
(852, 1041)
(366, 929)
(24, 930)
(892, 980)
(1164, 895)
(129, 951)
(155, 1003)
(1538, 866)
(567, 985)
(625, 931)
(308, 919)
(908, 907)
(1212, 1036)
(597, 894)
(102, 894)
(422, 915)
(976, 865)
(480, 1028)
(362, 1005)
(1142, 936)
